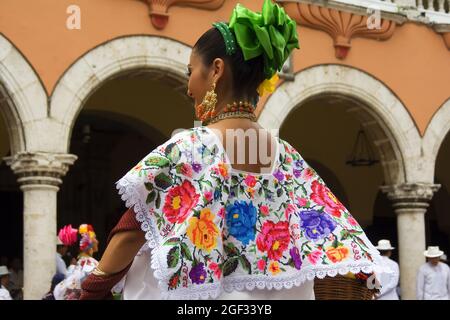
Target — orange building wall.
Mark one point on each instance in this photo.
(414, 63)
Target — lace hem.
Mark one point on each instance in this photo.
(130, 195)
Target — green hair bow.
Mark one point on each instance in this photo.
(271, 33)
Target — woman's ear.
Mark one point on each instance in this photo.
(218, 68)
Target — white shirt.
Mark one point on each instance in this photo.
(60, 265)
(433, 282)
(389, 281)
(140, 284)
(4, 294)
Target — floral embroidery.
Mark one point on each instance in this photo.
(241, 219)
(202, 231)
(274, 239)
(212, 227)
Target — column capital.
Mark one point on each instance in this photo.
(410, 195)
(40, 168)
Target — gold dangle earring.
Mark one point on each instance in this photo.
(206, 109)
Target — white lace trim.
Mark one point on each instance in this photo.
(130, 195)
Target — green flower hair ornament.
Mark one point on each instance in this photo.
(271, 33)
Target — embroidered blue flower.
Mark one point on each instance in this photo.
(217, 194)
(241, 220)
(317, 225)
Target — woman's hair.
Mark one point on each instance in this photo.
(246, 75)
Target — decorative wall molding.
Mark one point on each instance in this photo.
(159, 9)
(341, 26)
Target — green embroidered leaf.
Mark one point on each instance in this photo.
(173, 152)
(148, 186)
(173, 257)
(151, 196)
(163, 181)
(185, 251)
(230, 249)
(157, 161)
(245, 264)
(279, 192)
(158, 200)
(172, 241)
(229, 266)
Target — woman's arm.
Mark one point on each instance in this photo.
(124, 242)
(121, 251)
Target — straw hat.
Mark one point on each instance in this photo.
(3, 270)
(433, 252)
(384, 245)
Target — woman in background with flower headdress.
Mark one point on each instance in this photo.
(70, 288)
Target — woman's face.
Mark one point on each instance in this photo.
(202, 77)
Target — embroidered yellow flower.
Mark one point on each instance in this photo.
(268, 85)
(274, 268)
(202, 231)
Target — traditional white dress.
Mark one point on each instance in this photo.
(60, 264)
(70, 287)
(433, 282)
(389, 280)
(218, 232)
(4, 294)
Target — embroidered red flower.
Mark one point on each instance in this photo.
(179, 202)
(264, 210)
(250, 181)
(274, 238)
(324, 197)
(261, 264)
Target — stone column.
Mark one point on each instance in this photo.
(410, 202)
(39, 175)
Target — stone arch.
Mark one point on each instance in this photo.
(383, 115)
(165, 57)
(23, 100)
(435, 133)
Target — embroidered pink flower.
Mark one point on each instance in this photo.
(324, 197)
(261, 264)
(314, 256)
(352, 221)
(264, 210)
(302, 202)
(179, 202)
(250, 181)
(186, 169)
(208, 195)
(289, 210)
(273, 239)
(214, 267)
(221, 212)
(308, 173)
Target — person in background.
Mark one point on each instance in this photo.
(16, 279)
(444, 259)
(70, 287)
(67, 236)
(4, 280)
(389, 281)
(433, 278)
(57, 278)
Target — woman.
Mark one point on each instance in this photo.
(200, 225)
(70, 287)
